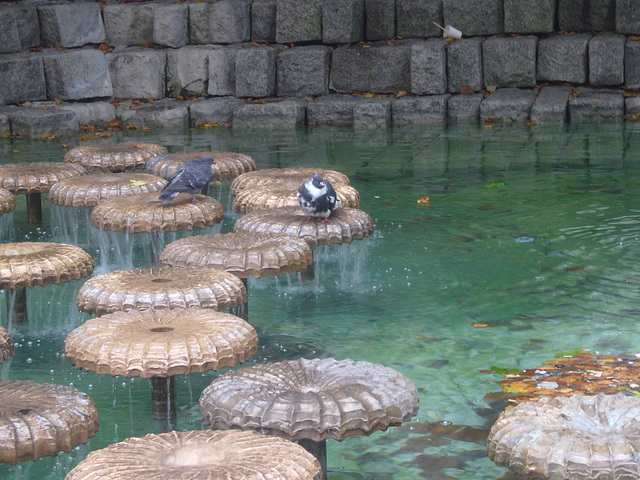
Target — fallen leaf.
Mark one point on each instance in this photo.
(423, 201)
(480, 325)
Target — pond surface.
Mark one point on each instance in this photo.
(533, 231)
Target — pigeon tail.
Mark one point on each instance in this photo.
(168, 196)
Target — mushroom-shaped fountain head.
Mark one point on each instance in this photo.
(578, 437)
(227, 165)
(253, 199)
(199, 455)
(159, 345)
(115, 157)
(286, 178)
(33, 179)
(88, 190)
(161, 288)
(347, 225)
(7, 201)
(243, 254)
(145, 213)
(192, 177)
(6, 345)
(38, 420)
(30, 264)
(311, 400)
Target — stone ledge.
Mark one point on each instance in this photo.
(552, 104)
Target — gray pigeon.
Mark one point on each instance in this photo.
(317, 198)
(192, 177)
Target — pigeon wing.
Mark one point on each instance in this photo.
(332, 197)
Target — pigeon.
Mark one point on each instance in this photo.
(191, 177)
(317, 198)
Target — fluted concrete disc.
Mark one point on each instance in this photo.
(345, 225)
(161, 288)
(162, 343)
(254, 199)
(243, 254)
(199, 455)
(114, 156)
(29, 264)
(43, 419)
(145, 213)
(36, 177)
(228, 165)
(288, 178)
(88, 190)
(7, 201)
(578, 437)
(310, 399)
(6, 345)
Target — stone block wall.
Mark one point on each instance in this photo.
(291, 62)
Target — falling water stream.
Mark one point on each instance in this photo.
(533, 231)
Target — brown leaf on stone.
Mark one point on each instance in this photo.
(467, 90)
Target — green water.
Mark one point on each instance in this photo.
(534, 231)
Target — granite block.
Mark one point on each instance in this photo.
(464, 108)
(303, 71)
(596, 105)
(71, 25)
(508, 105)
(77, 74)
(224, 21)
(298, 21)
(125, 69)
(628, 17)
(372, 113)
(22, 78)
(129, 23)
(277, 113)
(429, 67)
(380, 19)
(187, 71)
(551, 105)
(474, 17)
(375, 68)
(510, 61)
(414, 18)
(213, 111)
(586, 15)
(419, 110)
(529, 16)
(464, 65)
(342, 21)
(632, 64)
(606, 60)
(263, 21)
(563, 58)
(256, 72)
(332, 109)
(170, 25)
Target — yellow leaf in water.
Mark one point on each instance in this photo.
(138, 183)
